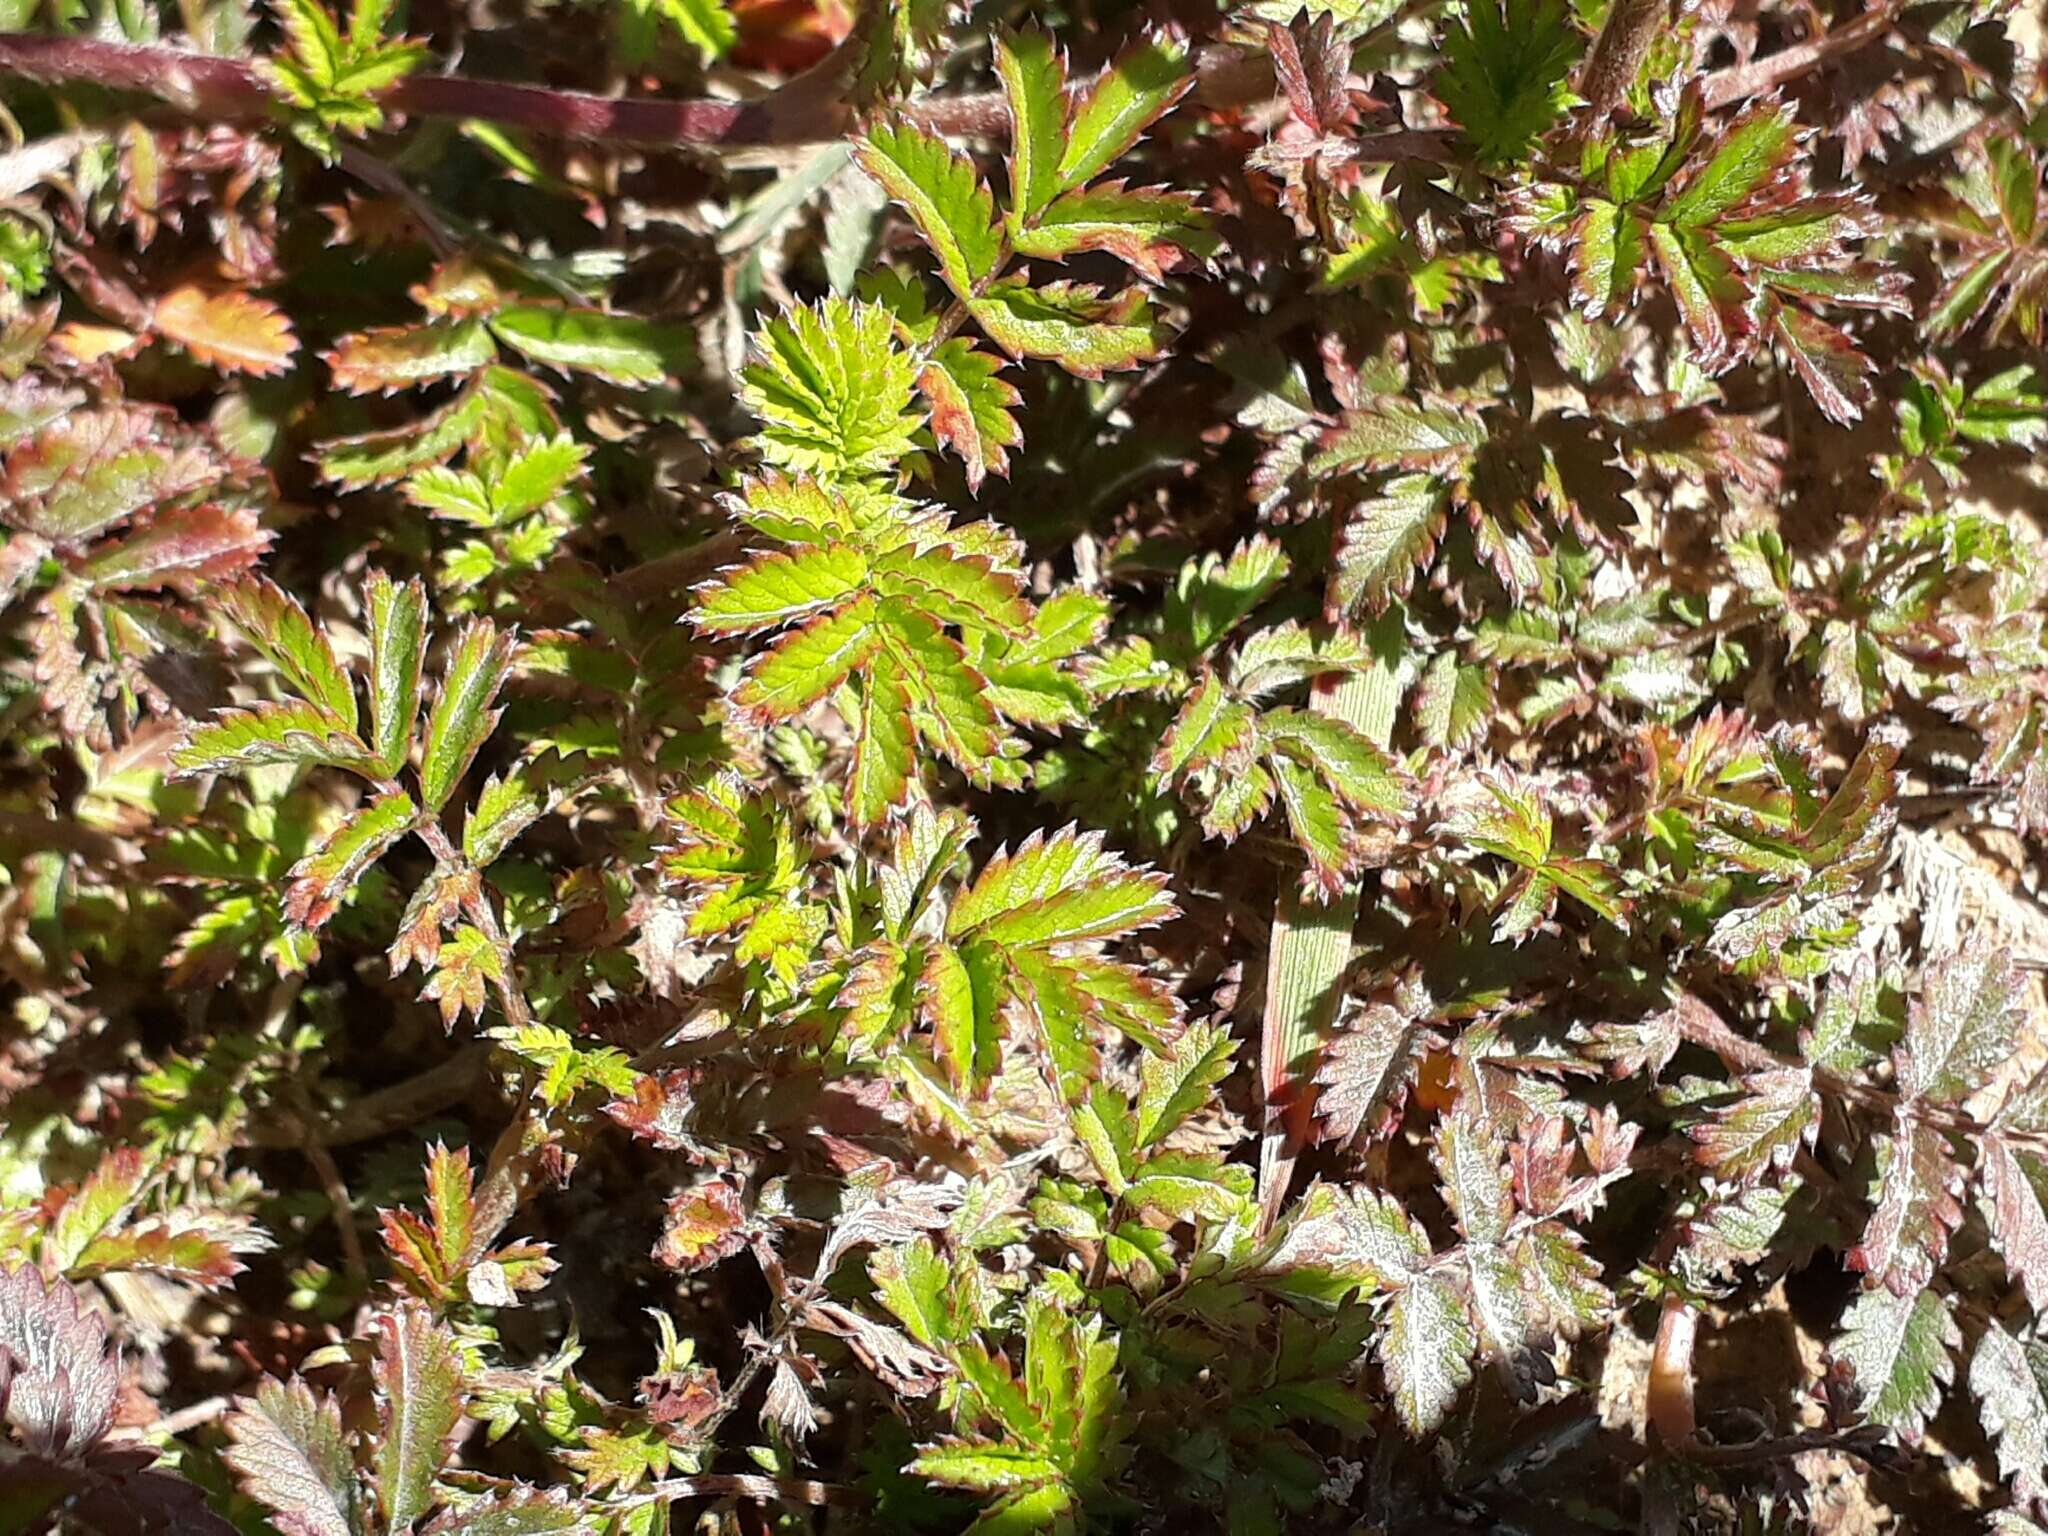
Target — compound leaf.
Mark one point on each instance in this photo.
(1034, 80)
(397, 618)
(622, 349)
(1965, 1023)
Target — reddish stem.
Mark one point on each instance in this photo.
(208, 86)
(1668, 1402)
(812, 108)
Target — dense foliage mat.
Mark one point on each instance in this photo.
(802, 765)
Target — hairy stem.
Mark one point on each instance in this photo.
(812, 108)
(191, 1417)
(807, 110)
(1618, 55)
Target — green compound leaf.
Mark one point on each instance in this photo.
(973, 412)
(1149, 230)
(290, 1454)
(1074, 326)
(1426, 1351)
(809, 663)
(401, 357)
(293, 732)
(885, 752)
(781, 589)
(1901, 1349)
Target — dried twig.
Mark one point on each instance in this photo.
(387, 1109)
(35, 163)
(205, 1411)
(1788, 64)
(1860, 1443)
(355, 1262)
(749, 1485)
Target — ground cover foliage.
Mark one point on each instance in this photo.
(811, 766)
